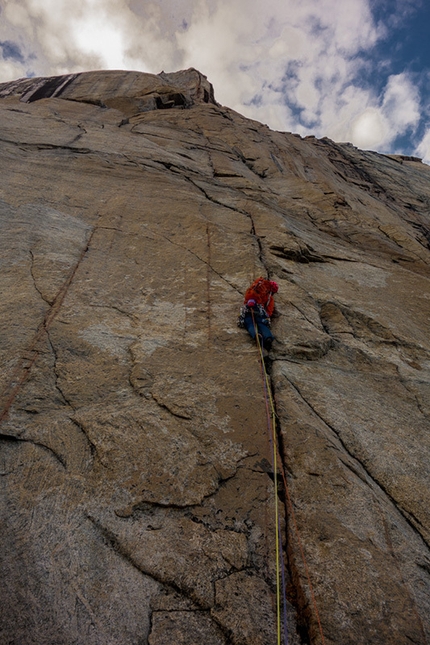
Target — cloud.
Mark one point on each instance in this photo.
(298, 66)
(376, 122)
(370, 129)
(423, 148)
(401, 102)
(286, 63)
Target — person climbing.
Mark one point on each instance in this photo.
(257, 311)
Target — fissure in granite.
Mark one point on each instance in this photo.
(139, 495)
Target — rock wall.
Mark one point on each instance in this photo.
(138, 496)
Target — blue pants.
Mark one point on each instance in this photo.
(266, 336)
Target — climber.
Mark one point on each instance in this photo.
(257, 311)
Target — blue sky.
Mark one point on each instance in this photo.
(352, 70)
(406, 48)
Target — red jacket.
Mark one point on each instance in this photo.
(260, 291)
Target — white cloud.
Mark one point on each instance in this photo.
(97, 37)
(423, 149)
(283, 63)
(370, 129)
(10, 70)
(19, 17)
(293, 65)
(374, 122)
(401, 103)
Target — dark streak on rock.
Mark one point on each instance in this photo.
(112, 541)
(412, 521)
(39, 291)
(92, 446)
(304, 255)
(13, 439)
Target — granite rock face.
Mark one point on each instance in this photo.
(138, 497)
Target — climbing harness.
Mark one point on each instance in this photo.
(259, 309)
(280, 564)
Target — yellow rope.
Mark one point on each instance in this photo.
(269, 399)
(268, 396)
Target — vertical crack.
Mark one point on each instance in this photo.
(295, 594)
(208, 283)
(91, 445)
(184, 248)
(55, 370)
(39, 291)
(29, 356)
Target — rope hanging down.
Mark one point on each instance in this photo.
(280, 564)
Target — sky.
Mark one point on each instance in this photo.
(350, 70)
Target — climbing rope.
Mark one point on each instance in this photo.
(271, 429)
(280, 564)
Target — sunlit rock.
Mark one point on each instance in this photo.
(138, 494)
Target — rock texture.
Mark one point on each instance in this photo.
(138, 501)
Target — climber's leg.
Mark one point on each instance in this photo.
(267, 335)
(249, 325)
